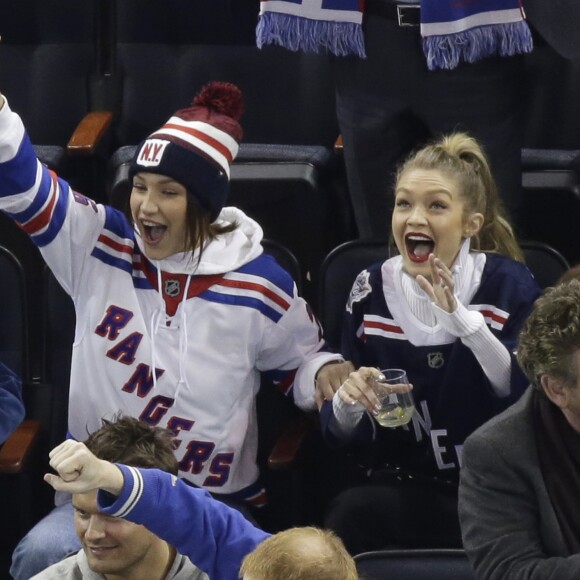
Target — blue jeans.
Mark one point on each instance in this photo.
(50, 540)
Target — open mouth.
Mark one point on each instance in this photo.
(419, 246)
(152, 232)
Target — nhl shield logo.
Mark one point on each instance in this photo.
(172, 287)
(435, 360)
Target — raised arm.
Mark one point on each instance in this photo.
(214, 536)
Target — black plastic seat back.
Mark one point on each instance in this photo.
(551, 209)
(288, 97)
(545, 262)
(13, 315)
(338, 273)
(427, 564)
(162, 58)
(48, 56)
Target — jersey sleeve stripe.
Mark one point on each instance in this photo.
(267, 292)
(263, 267)
(112, 260)
(45, 226)
(378, 326)
(135, 493)
(494, 316)
(41, 220)
(121, 246)
(246, 301)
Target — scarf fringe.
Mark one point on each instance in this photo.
(298, 33)
(447, 51)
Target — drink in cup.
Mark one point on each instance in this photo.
(394, 393)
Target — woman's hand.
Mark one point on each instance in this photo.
(358, 388)
(441, 289)
(329, 378)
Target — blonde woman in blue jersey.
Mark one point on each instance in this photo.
(178, 310)
(447, 310)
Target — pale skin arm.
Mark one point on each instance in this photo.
(79, 471)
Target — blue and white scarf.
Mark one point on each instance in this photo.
(453, 30)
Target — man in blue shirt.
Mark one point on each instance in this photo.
(11, 405)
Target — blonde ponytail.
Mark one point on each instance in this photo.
(461, 157)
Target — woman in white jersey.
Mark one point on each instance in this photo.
(178, 309)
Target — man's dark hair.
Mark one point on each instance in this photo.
(132, 442)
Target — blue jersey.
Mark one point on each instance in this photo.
(452, 394)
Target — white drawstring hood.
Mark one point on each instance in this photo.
(224, 254)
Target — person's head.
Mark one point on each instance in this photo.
(114, 545)
(445, 193)
(306, 553)
(180, 173)
(549, 347)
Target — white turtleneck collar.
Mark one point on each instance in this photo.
(413, 304)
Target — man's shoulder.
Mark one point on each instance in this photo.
(67, 569)
(184, 569)
(508, 425)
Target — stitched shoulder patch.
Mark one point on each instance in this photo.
(360, 289)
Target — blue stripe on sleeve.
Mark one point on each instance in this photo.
(266, 267)
(58, 217)
(247, 301)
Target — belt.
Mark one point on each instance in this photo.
(402, 14)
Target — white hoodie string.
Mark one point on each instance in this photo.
(155, 322)
(156, 319)
(183, 341)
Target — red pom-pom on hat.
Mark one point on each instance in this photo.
(224, 98)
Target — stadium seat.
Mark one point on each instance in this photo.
(50, 75)
(551, 212)
(428, 564)
(338, 273)
(544, 261)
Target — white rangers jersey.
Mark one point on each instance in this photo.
(142, 347)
